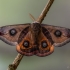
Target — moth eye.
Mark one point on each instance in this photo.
(26, 44)
(44, 44)
(58, 33)
(13, 32)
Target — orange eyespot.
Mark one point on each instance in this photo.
(44, 44)
(26, 44)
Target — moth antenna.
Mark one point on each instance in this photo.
(32, 17)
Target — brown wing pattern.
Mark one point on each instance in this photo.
(10, 33)
(60, 35)
(27, 46)
(22, 37)
(24, 46)
(45, 46)
(30, 49)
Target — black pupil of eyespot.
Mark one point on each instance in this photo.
(26, 44)
(44, 44)
(12, 32)
(58, 33)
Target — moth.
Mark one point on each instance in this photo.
(35, 38)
